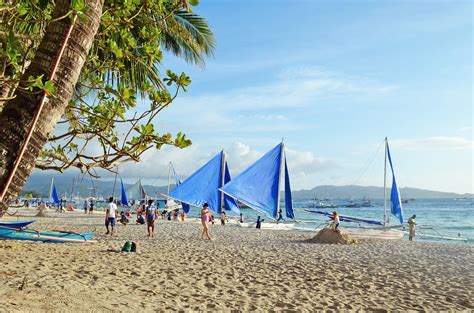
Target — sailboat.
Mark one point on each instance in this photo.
(53, 194)
(381, 230)
(258, 187)
(170, 204)
(203, 187)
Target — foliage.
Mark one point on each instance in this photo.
(121, 90)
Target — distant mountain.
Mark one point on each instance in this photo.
(65, 184)
(104, 188)
(372, 192)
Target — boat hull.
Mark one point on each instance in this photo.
(17, 225)
(367, 233)
(272, 226)
(52, 237)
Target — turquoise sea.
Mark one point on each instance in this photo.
(447, 217)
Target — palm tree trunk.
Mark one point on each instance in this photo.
(17, 114)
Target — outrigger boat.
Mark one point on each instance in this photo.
(47, 236)
(380, 229)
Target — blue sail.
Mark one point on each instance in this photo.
(124, 200)
(203, 187)
(258, 186)
(288, 200)
(395, 199)
(229, 202)
(55, 195)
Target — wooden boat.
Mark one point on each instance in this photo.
(47, 236)
(17, 225)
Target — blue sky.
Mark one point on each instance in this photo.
(332, 78)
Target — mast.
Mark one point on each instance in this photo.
(385, 186)
(282, 158)
(51, 190)
(115, 180)
(169, 177)
(221, 209)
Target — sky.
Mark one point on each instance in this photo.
(332, 79)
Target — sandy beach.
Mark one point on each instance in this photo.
(241, 269)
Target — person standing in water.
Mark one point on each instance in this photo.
(411, 226)
(205, 218)
(110, 216)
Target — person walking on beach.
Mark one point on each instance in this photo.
(183, 216)
(259, 223)
(110, 216)
(280, 216)
(411, 227)
(85, 206)
(91, 207)
(241, 219)
(205, 218)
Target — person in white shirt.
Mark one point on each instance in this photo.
(110, 216)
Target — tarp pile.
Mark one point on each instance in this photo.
(330, 236)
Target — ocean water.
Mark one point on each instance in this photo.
(446, 217)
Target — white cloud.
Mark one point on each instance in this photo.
(153, 168)
(271, 106)
(434, 143)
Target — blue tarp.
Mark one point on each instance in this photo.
(124, 200)
(396, 202)
(258, 185)
(203, 187)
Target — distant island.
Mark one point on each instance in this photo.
(40, 185)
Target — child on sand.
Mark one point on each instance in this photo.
(223, 218)
(335, 221)
(123, 219)
(140, 219)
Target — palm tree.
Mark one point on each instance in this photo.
(18, 113)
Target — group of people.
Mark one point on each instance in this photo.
(88, 206)
(146, 214)
(149, 215)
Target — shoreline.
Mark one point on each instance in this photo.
(241, 269)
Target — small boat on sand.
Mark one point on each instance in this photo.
(18, 225)
(45, 236)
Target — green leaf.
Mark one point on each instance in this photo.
(49, 87)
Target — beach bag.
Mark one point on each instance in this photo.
(134, 247)
(127, 247)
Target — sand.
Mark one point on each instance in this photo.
(329, 236)
(242, 269)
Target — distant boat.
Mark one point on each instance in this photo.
(203, 187)
(259, 185)
(321, 205)
(49, 236)
(381, 230)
